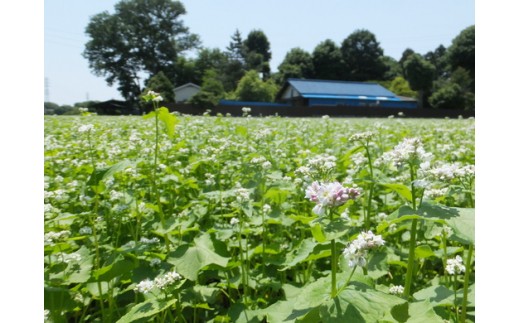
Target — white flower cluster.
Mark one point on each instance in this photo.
(323, 163)
(455, 266)
(52, 237)
(396, 290)
(328, 195)
(149, 241)
(153, 96)
(362, 136)
(262, 161)
(409, 149)
(85, 128)
(161, 282)
(234, 221)
(243, 195)
(447, 172)
(356, 251)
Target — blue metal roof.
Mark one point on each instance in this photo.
(322, 88)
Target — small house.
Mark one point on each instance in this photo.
(184, 92)
(302, 92)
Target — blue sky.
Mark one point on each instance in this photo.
(397, 24)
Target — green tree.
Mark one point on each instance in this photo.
(161, 84)
(257, 52)
(236, 48)
(393, 69)
(50, 108)
(461, 53)
(438, 58)
(448, 96)
(455, 92)
(420, 75)
(211, 91)
(404, 56)
(296, 64)
(362, 57)
(235, 66)
(252, 88)
(327, 61)
(142, 36)
(401, 87)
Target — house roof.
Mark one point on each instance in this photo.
(335, 89)
(186, 85)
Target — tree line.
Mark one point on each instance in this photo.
(144, 44)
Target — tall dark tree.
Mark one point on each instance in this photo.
(326, 59)
(461, 53)
(258, 52)
(404, 56)
(420, 75)
(142, 36)
(236, 47)
(362, 56)
(438, 58)
(209, 59)
(296, 64)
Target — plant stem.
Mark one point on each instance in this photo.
(333, 267)
(333, 263)
(411, 260)
(466, 282)
(411, 250)
(348, 280)
(371, 190)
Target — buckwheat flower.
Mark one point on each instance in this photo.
(421, 183)
(149, 241)
(243, 195)
(381, 216)
(85, 231)
(363, 136)
(46, 313)
(356, 251)
(266, 208)
(85, 128)
(396, 290)
(266, 165)
(234, 221)
(166, 280)
(409, 150)
(158, 98)
(455, 266)
(145, 286)
(436, 192)
(328, 195)
(155, 262)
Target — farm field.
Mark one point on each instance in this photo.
(169, 218)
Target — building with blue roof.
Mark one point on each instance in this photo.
(302, 92)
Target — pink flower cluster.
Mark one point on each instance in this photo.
(328, 195)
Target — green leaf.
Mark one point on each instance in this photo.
(424, 251)
(437, 295)
(317, 233)
(400, 189)
(116, 269)
(146, 309)
(300, 255)
(346, 160)
(359, 305)
(103, 173)
(189, 260)
(168, 120)
(57, 299)
(461, 220)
